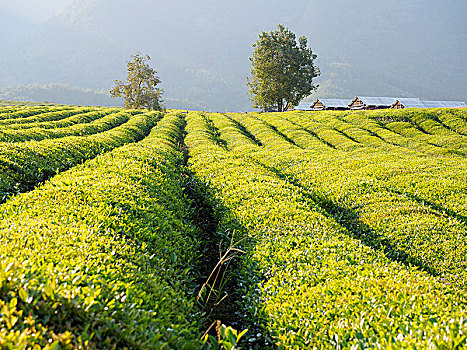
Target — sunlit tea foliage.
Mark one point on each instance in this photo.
(350, 229)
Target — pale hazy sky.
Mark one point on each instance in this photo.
(34, 10)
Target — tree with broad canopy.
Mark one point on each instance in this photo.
(140, 89)
(282, 70)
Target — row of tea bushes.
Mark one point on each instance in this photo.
(367, 130)
(54, 114)
(454, 119)
(4, 110)
(93, 123)
(330, 135)
(64, 122)
(13, 112)
(101, 256)
(408, 144)
(440, 127)
(358, 134)
(440, 182)
(347, 187)
(437, 180)
(24, 164)
(90, 123)
(305, 280)
(432, 120)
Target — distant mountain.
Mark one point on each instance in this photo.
(201, 49)
(57, 93)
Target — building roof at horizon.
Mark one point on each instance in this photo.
(411, 102)
(444, 104)
(335, 103)
(377, 101)
(407, 102)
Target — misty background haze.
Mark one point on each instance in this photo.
(71, 51)
(35, 11)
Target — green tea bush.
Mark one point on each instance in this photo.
(78, 118)
(4, 110)
(52, 115)
(351, 189)
(25, 164)
(408, 144)
(427, 125)
(306, 279)
(101, 256)
(12, 112)
(95, 122)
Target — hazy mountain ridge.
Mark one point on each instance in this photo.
(201, 49)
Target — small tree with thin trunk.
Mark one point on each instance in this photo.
(140, 89)
(282, 70)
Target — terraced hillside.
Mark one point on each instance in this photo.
(313, 230)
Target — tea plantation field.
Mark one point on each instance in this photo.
(132, 229)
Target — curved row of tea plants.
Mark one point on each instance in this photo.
(431, 120)
(12, 112)
(67, 121)
(306, 281)
(101, 256)
(358, 134)
(368, 132)
(440, 127)
(392, 141)
(328, 134)
(349, 190)
(435, 180)
(8, 109)
(440, 182)
(24, 164)
(52, 114)
(90, 123)
(74, 119)
(373, 125)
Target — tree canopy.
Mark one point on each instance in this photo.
(140, 89)
(282, 70)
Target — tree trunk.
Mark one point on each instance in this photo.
(280, 105)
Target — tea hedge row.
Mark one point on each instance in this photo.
(346, 187)
(64, 122)
(24, 164)
(448, 117)
(371, 129)
(413, 129)
(408, 143)
(101, 256)
(23, 112)
(330, 135)
(8, 109)
(442, 127)
(90, 123)
(306, 280)
(438, 181)
(441, 182)
(45, 117)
